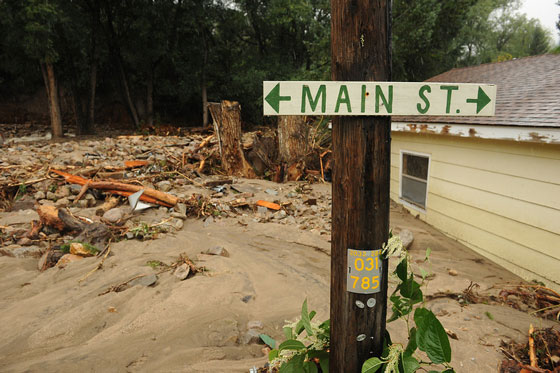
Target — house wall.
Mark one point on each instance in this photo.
(500, 198)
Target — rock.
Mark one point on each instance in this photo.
(182, 272)
(83, 203)
(51, 196)
(147, 280)
(164, 186)
(217, 250)
(75, 189)
(251, 337)
(67, 147)
(25, 241)
(77, 248)
(279, 215)
(181, 208)
(28, 252)
(63, 191)
(406, 237)
(178, 215)
(453, 272)
(178, 224)
(63, 202)
(272, 192)
(113, 215)
(90, 200)
(68, 258)
(209, 220)
(40, 195)
(255, 324)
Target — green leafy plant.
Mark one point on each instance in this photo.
(305, 348)
(427, 334)
(145, 231)
(22, 189)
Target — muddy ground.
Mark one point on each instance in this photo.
(50, 321)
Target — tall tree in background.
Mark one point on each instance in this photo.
(426, 36)
(38, 21)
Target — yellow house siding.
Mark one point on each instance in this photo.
(501, 198)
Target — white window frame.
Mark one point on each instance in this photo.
(401, 199)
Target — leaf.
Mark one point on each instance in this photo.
(326, 327)
(291, 344)
(323, 357)
(305, 319)
(310, 367)
(401, 270)
(411, 289)
(489, 315)
(372, 365)
(288, 332)
(294, 365)
(411, 346)
(273, 354)
(410, 364)
(268, 340)
(449, 370)
(428, 252)
(424, 273)
(431, 337)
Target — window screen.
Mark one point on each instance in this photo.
(414, 181)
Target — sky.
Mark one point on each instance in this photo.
(544, 10)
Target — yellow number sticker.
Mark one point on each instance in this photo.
(364, 271)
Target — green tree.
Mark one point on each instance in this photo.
(540, 41)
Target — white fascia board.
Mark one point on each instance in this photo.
(513, 133)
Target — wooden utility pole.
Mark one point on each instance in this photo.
(361, 51)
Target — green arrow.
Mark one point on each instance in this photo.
(481, 101)
(273, 98)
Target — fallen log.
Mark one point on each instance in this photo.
(150, 195)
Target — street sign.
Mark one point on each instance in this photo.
(378, 98)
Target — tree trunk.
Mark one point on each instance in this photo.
(150, 98)
(118, 60)
(205, 121)
(90, 120)
(54, 104)
(293, 144)
(204, 88)
(94, 55)
(227, 122)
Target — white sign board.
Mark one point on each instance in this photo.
(378, 98)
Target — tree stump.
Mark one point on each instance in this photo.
(227, 126)
(293, 145)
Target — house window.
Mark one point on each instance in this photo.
(414, 178)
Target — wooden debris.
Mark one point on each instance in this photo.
(270, 205)
(135, 163)
(532, 355)
(150, 195)
(542, 357)
(49, 217)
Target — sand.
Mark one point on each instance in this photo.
(49, 322)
